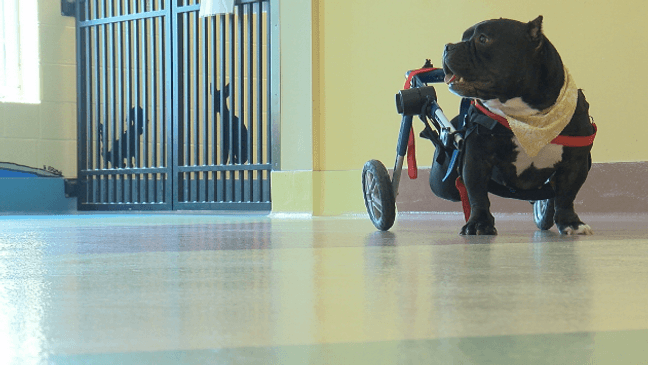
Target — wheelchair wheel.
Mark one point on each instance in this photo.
(543, 214)
(378, 195)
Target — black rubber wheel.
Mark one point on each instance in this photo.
(543, 214)
(378, 195)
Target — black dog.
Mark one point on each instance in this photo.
(512, 71)
(231, 124)
(129, 138)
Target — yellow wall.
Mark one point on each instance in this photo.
(44, 134)
(362, 48)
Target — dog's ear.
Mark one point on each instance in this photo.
(535, 29)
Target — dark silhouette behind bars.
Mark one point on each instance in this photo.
(136, 124)
(234, 125)
(130, 137)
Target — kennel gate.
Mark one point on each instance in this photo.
(176, 111)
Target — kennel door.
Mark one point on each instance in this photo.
(175, 111)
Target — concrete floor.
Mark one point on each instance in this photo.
(201, 289)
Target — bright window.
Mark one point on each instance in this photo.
(19, 60)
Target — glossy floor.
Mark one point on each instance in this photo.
(200, 289)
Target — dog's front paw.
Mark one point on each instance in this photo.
(579, 228)
(478, 228)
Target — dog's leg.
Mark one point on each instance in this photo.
(568, 181)
(477, 172)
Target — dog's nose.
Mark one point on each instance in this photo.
(448, 47)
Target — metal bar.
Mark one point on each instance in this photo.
(135, 138)
(92, 134)
(173, 72)
(123, 104)
(183, 9)
(250, 95)
(228, 206)
(154, 104)
(181, 79)
(91, 51)
(214, 107)
(196, 99)
(205, 103)
(93, 9)
(196, 7)
(128, 83)
(223, 70)
(111, 99)
(232, 103)
(81, 12)
(104, 110)
(158, 108)
(269, 93)
(122, 18)
(149, 170)
(167, 118)
(259, 167)
(260, 99)
(132, 141)
(119, 117)
(241, 114)
(83, 88)
(94, 105)
(187, 110)
(401, 150)
(437, 114)
(127, 206)
(144, 188)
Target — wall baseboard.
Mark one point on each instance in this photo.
(619, 187)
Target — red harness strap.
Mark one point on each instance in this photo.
(412, 169)
(567, 141)
(463, 194)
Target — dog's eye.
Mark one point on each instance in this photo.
(483, 39)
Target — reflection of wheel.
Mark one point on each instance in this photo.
(378, 195)
(543, 213)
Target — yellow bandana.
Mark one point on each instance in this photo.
(538, 130)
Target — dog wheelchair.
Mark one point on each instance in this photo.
(418, 98)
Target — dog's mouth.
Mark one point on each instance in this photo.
(451, 78)
(456, 82)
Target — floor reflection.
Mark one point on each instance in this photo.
(24, 297)
(134, 289)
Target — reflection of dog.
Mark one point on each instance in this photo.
(136, 124)
(239, 143)
(516, 75)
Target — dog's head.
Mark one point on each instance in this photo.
(136, 117)
(221, 95)
(500, 59)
